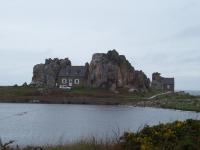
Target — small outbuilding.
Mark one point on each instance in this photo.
(162, 83)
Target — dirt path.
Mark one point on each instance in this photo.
(154, 96)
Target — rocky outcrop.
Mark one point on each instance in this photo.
(113, 71)
(47, 74)
(106, 70)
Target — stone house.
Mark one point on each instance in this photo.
(162, 83)
(72, 76)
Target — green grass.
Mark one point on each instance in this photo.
(178, 101)
(184, 104)
(177, 96)
(92, 92)
(95, 92)
(173, 101)
(85, 92)
(17, 91)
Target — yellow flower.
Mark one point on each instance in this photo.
(145, 147)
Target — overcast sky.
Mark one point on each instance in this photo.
(154, 35)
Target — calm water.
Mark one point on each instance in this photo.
(54, 123)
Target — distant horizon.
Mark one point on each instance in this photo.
(155, 36)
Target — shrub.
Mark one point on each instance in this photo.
(178, 136)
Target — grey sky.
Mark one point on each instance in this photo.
(155, 35)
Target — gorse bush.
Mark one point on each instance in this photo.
(172, 136)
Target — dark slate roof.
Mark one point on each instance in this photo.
(167, 80)
(72, 71)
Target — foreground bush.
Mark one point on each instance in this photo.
(179, 135)
(172, 136)
(85, 144)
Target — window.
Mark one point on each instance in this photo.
(64, 81)
(78, 72)
(70, 80)
(76, 81)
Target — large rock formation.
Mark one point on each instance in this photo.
(109, 70)
(47, 74)
(113, 71)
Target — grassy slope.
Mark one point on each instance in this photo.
(100, 96)
(178, 101)
(21, 94)
(28, 91)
